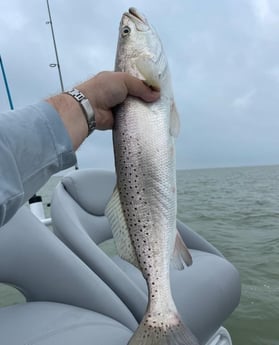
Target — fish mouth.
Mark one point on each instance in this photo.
(139, 19)
(134, 12)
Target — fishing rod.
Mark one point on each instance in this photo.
(35, 202)
(57, 64)
(6, 84)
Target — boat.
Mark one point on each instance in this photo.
(78, 294)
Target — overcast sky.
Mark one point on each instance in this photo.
(223, 56)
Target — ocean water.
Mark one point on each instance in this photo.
(237, 210)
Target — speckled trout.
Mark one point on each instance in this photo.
(142, 210)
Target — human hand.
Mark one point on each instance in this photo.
(104, 91)
(108, 89)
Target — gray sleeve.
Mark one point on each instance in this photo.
(34, 144)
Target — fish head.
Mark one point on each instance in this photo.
(139, 50)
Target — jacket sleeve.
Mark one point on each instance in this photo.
(34, 145)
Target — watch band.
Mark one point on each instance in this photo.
(86, 107)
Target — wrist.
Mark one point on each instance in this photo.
(86, 108)
(72, 117)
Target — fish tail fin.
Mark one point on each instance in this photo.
(181, 254)
(163, 330)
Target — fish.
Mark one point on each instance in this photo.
(142, 210)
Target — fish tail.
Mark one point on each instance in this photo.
(162, 330)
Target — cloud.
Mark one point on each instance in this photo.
(97, 151)
(273, 73)
(223, 57)
(266, 13)
(244, 101)
(11, 18)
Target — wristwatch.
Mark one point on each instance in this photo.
(86, 108)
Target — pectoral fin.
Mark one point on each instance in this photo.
(174, 121)
(149, 70)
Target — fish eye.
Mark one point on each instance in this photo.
(125, 31)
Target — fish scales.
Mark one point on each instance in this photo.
(145, 189)
(142, 210)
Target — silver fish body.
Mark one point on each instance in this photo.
(143, 207)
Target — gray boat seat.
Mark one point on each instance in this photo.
(205, 293)
(67, 303)
(48, 323)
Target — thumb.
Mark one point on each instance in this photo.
(138, 88)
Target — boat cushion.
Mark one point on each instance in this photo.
(205, 293)
(36, 262)
(46, 323)
(91, 192)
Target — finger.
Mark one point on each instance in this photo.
(138, 88)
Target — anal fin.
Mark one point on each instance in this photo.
(181, 254)
(120, 230)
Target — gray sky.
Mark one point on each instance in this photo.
(223, 56)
